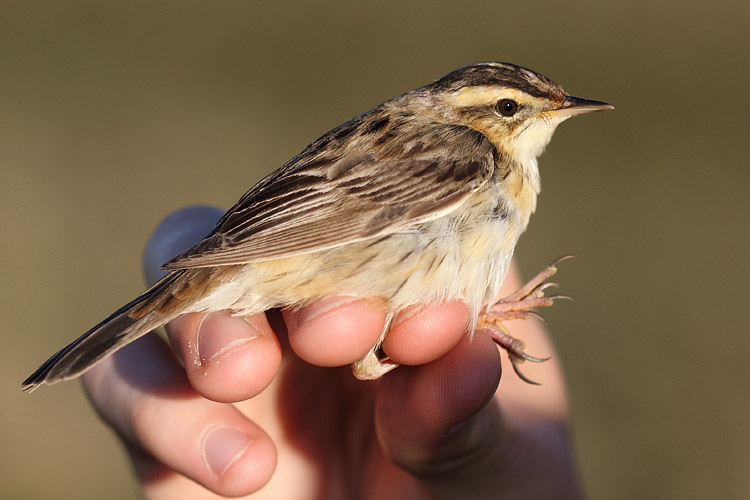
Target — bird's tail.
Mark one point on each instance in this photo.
(171, 296)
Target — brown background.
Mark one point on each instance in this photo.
(112, 114)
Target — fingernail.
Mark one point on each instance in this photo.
(224, 446)
(321, 308)
(221, 332)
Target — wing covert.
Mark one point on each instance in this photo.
(321, 200)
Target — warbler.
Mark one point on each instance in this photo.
(419, 200)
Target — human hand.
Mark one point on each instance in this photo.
(227, 416)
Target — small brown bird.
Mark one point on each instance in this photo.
(419, 200)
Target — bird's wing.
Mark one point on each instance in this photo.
(317, 201)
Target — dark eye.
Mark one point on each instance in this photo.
(506, 107)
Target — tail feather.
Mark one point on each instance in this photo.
(138, 317)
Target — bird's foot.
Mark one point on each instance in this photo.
(520, 305)
(374, 365)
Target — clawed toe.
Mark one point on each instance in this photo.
(520, 305)
(523, 377)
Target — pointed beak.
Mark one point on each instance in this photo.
(572, 106)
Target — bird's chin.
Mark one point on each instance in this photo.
(533, 139)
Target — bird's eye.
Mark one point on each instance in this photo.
(506, 107)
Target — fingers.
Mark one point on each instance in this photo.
(338, 331)
(142, 392)
(441, 423)
(435, 422)
(341, 330)
(176, 437)
(226, 358)
(424, 333)
(418, 407)
(214, 348)
(334, 331)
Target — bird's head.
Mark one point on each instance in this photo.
(515, 108)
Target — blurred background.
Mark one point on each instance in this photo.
(113, 114)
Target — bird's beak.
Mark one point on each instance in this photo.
(572, 106)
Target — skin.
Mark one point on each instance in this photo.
(229, 416)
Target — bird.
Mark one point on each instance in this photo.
(419, 200)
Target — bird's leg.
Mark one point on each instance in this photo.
(520, 305)
(372, 366)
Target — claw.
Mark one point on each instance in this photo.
(537, 316)
(513, 346)
(523, 377)
(518, 305)
(546, 285)
(532, 286)
(560, 259)
(530, 358)
(561, 296)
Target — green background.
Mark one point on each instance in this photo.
(113, 114)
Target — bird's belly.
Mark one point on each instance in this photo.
(440, 260)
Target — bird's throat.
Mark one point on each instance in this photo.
(521, 186)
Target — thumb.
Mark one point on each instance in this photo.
(178, 232)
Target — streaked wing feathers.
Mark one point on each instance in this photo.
(317, 202)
